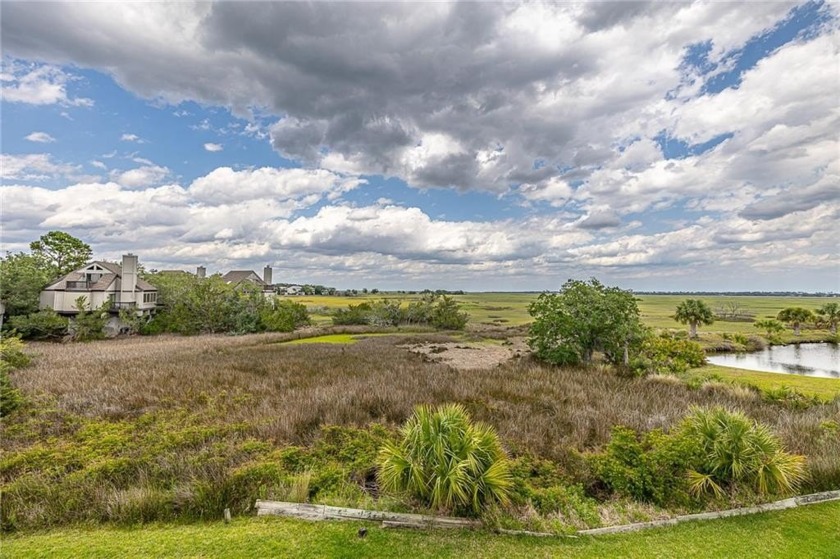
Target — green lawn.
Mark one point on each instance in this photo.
(808, 532)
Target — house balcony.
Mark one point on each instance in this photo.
(79, 285)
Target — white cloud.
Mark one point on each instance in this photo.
(140, 177)
(213, 147)
(131, 138)
(33, 166)
(37, 84)
(40, 137)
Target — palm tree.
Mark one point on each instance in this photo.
(830, 314)
(447, 461)
(795, 316)
(694, 312)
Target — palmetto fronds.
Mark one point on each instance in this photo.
(734, 449)
(446, 460)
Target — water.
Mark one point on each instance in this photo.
(813, 360)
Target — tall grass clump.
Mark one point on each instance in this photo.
(735, 449)
(447, 461)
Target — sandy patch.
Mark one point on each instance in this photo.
(467, 356)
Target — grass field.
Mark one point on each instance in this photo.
(823, 388)
(511, 309)
(803, 533)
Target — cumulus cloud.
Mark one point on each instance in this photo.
(140, 177)
(37, 84)
(131, 138)
(33, 166)
(40, 137)
(566, 109)
(213, 147)
(464, 94)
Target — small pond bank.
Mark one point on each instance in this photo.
(806, 359)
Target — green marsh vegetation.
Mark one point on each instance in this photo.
(165, 428)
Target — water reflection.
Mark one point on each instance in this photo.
(816, 360)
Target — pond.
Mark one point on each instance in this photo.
(813, 360)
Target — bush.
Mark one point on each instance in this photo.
(285, 316)
(352, 315)
(666, 354)
(386, 313)
(735, 449)
(447, 315)
(650, 468)
(11, 357)
(11, 352)
(447, 461)
(42, 325)
(89, 325)
(10, 397)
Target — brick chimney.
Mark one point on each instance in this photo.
(267, 275)
(201, 272)
(128, 282)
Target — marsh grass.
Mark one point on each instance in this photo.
(171, 427)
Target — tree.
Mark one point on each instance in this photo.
(771, 326)
(830, 315)
(694, 312)
(60, 252)
(795, 316)
(582, 318)
(21, 280)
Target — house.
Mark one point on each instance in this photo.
(100, 282)
(239, 277)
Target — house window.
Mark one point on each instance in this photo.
(150, 297)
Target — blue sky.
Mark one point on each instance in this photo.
(673, 146)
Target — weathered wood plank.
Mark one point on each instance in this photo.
(420, 521)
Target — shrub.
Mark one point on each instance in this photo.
(10, 397)
(386, 313)
(733, 448)
(42, 325)
(11, 352)
(648, 468)
(89, 325)
(285, 316)
(447, 461)
(353, 314)
(666, 354)
(11, 357)
(447, 315)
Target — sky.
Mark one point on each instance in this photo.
(679, 146)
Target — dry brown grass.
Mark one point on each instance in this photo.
(285, 392)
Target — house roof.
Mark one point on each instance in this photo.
(238, 276)
(112, 272)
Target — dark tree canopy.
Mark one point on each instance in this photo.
(60, 252)
(21, 279)
(582, 318)
(795, 316)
